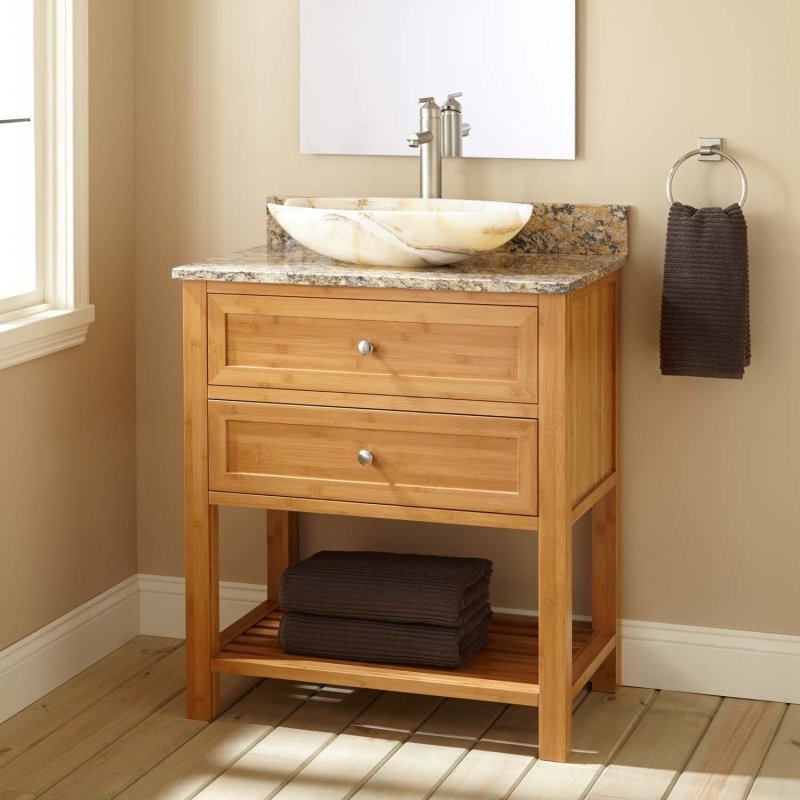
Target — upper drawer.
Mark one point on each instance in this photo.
(469, 352)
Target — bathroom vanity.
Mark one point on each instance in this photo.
(484, 394)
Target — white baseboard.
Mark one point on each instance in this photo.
(162, 604)
(759, 666)
(45, 659)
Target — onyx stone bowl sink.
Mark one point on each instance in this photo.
(399, 232)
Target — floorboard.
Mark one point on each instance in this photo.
(496, 763)
(55, 709)
(355, 754)
(278, 757)
(779, 776)
(653, 757)
(600, 724)
(418, 767)
(142, 748)
(206, 756)
(69, 747)
(729, 756)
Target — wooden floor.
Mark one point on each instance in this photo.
(117, 730)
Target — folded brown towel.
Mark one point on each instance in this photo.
(387, 587)
(384, 642)
(705, 311)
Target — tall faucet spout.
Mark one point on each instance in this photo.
(440, 133)
(428, 140)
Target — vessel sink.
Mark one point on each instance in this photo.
(399, 232)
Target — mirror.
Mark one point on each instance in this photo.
(364, 63)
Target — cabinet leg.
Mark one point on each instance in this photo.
(281, 548)
(202, 613)
(555, 534)
(555, 642)
(605, 585)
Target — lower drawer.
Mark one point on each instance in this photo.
(428, 460)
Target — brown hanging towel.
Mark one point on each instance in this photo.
(705, 306)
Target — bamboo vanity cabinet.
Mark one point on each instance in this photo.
(476, 408)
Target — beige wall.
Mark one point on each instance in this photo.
(68, 524)
(710, 533)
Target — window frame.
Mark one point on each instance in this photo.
(61, 314)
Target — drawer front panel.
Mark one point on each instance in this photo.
(427, 460)
(469, 352)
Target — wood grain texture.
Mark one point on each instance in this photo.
(601, 723)
(433, 405)
(276, 758)
(598, 648)
(69, 747)
(607, 511)
(425, 349)
(728, 758)
(360, 749)
(57, 708)
(187, 770)
(136, 752)
(419, 766)
(503, 671)
(463, 463)
(380, 511)
(779, 775)
(375, 293)
(282, 527)
(605, 585)
(591, 365)
(201, 521)
(495, 764)
(659, 747)
(587, 502)
(555, 533)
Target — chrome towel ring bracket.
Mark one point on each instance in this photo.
(707, 153)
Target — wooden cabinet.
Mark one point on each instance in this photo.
(491, 410)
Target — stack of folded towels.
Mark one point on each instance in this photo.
(386, 607)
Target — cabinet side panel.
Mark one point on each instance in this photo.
(591, 330)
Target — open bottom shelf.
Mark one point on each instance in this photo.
(505, 670)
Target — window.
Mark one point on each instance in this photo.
(20, 280)
(44, 302)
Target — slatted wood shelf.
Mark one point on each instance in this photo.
(505, 671)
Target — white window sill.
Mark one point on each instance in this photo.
(25, 337)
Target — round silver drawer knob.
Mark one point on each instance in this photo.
(365, 458)
(365, 348)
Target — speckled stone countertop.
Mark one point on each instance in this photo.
(562, 248)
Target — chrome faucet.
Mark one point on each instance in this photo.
(440, 134)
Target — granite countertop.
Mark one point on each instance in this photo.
(562, 248)
(531, 273)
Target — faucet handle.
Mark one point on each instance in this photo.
(452, 104)
(427, 100)
(416, 139)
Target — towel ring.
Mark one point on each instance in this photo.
(706, 151)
